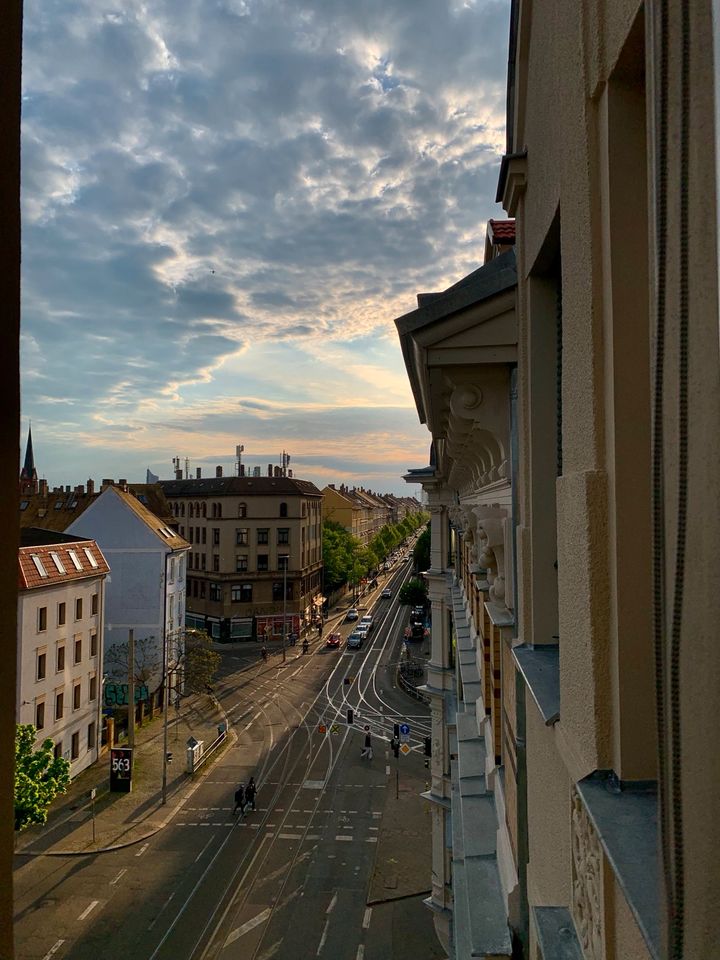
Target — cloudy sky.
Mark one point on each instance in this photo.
(226, 204)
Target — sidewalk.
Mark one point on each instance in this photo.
(125, 818)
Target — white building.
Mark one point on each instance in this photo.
(146, 586)
(60, 618)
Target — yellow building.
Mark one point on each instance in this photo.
(572, 393)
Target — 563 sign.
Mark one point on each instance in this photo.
(121, 769)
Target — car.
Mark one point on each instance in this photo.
(352, 614)
(355, 640)
(386, 594)
(368, 622)
(333, 641)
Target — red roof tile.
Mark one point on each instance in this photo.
(501, 231)
(33, 561)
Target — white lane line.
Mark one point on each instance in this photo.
(370, 839)
(53, 949)
(142, 849)
(113, 882)
(289, 836)
(88, 910)
(387, 770)
(246, 927)
(161, 909)
(323, 938)
(341, 837)
(203, 849)
(331, 906)
(360, 952)
(366, 919)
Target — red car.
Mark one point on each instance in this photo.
(333, 641)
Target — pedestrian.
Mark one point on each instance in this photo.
(250, 791)
(240, 800)
(367, 750)
(263, 652)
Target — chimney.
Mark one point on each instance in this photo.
(332, 486)
(289, 473)
(269, 469)
(198, 473)
(43, 489)
(278, 472)
(80, 489)
(107, 483)
(218, 471)
(90, 487)
(122, 483)
(67, 488)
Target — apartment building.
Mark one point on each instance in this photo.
(252, 541)
(60, 607)
(571, 389)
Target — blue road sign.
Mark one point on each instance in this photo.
(405, 728)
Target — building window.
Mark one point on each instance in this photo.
(182, 531)
(182, 509)
(40, 715)
(76, 697)
(94, 604)
(246, 592)
(181, 570)
(91, 736)
(236, 593)
(277, 590)
(242, 509)
(60, 658)
(42, 619)
(263, 535)
(216, 563)
(75, 746)
(283, 535)
(262, 562)
(241, 536)
(92, 688)
(283, 509)
(241, 563)
(283, 561)
(40, 665)
(59, 705)
(202, 589)
(60, 614)
(204, 509)
(204, 535)
(93, 644)
(215, 591)
(171, 573)
(190, 510)
(216, 536)
(202, 562)
(78, 608)
(78, 650)
(192, 534)
(57, 750)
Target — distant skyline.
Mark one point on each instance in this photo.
(224, 208)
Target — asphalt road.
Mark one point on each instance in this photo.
(289, 880)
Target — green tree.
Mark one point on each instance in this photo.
(39, 777)
(414, 593)
(200, 663)
(421, 552)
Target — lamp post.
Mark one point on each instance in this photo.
(284, 631)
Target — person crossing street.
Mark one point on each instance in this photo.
(250, 792)
(240, 800)
(367, 750)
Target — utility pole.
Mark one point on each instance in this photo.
(284, 633)
(131, 689)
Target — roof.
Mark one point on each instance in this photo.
(501, 231)
(49, 564)
(60, 508)
(169, 537)
(240, 486)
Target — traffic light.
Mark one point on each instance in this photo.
(349, 716)
(396, 731)
(428, 747)
(395, 744)
(168, 757)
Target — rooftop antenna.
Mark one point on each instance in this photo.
(238, 454)
(187, 468)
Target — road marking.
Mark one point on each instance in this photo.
(53, 949)
(341, 837)
(88, 910)
(161, 909)
(360, 952)
(113, 882)
(332, 903)
(370, 839)
(246, 927)
(387, 770)
(289, 836)
(142, 849)
(366, 919)
(203, 849)
(323, 938)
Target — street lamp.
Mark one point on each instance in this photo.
(284, 630)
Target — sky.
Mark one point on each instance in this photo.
(226, 203)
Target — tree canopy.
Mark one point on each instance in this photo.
(39, 777)
(421, 551)
(414, 593)
(200, 662)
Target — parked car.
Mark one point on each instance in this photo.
(333, 641)
(355, 640)
(352, 614)
(386, 594)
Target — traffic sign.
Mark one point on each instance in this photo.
(334, 728)
(322, 728)
(405, 748)
(405, 732)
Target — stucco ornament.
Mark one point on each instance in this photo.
(587, 867)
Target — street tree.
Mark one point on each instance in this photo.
(414, 593)
(200, 663)
(39, 777)
(147, 661)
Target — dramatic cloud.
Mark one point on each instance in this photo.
(226, 203)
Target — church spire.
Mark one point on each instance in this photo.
(28, 474)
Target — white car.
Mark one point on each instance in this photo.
(362, 628)
(368, 622)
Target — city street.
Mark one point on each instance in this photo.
(293, 878)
